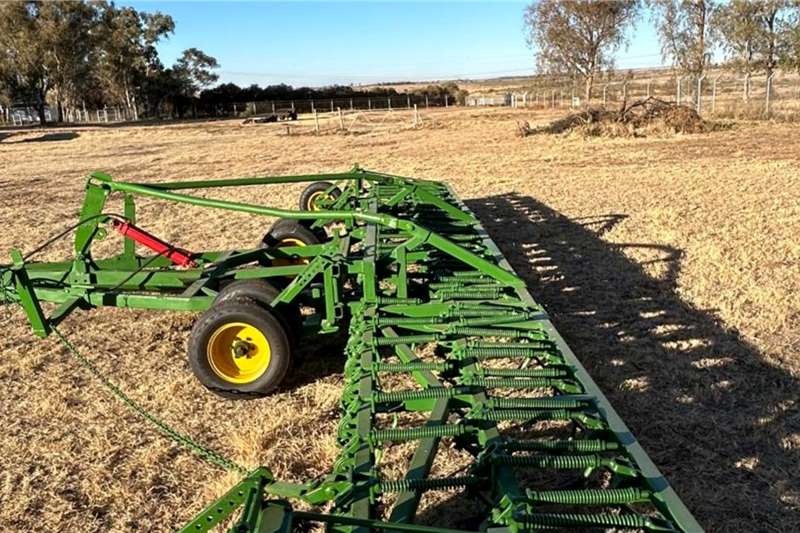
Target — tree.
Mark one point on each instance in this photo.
(756, 34)
(791, 58)
(25, 75)
(127, 52)
(686, 32)
(66, 33)
(579, 38)
(194, 67)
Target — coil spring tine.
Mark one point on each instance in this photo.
(572, 446)
(410, 367)
(430, 393)
(407, 339)
(589, 496)
(402, 485)
(631, 521)
(418, 433)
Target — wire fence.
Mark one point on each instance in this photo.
(721, 94)
(350, 121)
(25, 115)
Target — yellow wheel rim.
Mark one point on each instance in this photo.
(289, 241)
(314, 198)
(238, 352)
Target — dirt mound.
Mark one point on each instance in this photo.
(637, 119)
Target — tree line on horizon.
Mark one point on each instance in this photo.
(92, 53)
(579, 39)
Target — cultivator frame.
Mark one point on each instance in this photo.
(431, 305)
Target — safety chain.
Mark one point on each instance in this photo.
(181, 439)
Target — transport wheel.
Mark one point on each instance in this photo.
(263, 292)
(319, 233)
(317, 193)
(287, 232)
(238, 349)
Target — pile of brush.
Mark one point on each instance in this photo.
(636, 119)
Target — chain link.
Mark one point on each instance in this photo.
(181, 439)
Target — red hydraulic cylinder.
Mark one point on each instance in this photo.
(179, 257)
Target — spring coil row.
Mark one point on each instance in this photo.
(499, 353)
(590, 496)
(574, 446)
(489, 332)
(468, 294)
(402, 485)
(406, 339)
(526, 372)
(391, 300)
(423, 394)
(495, 415)
(425, 432)
(631, 521)
(537, 403)
(531, 383)
(410, 367)
(558, 462)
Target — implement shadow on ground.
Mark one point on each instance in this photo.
(47, 137)
(711, 413)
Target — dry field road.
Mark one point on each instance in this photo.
(670, 264)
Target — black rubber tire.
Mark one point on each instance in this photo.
(263, 292)
(288, 229)
(320, 233)
(249, 312)
(315, 188)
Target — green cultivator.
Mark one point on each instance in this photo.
(447, 351)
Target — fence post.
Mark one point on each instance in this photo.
(700, 93)
(426, 101)
(273, 107)
(767, 109)
(341, 118)
(331, 105)
(446, 100)
(416, 116)
(369, 104)
(746, 88)
(714, 96)
(313, 109)
(408, 102)
(316, 121)
(389, 100)
(292, 105)
(351, 104)
(235, 111)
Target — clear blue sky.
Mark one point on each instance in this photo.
(321, 43)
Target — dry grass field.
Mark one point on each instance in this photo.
(670, 264)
